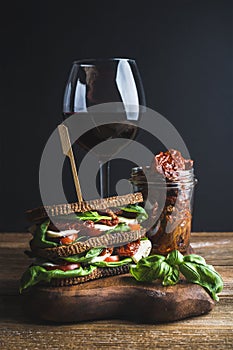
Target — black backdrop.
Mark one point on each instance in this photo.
(183, 49)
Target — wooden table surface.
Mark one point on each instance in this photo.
(211, 331)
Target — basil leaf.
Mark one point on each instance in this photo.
(31, 276)
(35, 274)
(193, 267)
(174, 258)
(121, 227)
(163, 270)
(171, 278)
(84, 258)
(92, 215)
(205, 276)
(150, 268)
(148, 261)
(39, 239)
(145, 274)
(194, 258)
(190, 272)
(112, 263)
(132, 208)
(210, 279)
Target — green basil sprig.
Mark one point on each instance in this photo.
(36, 274)
(121, 227)
(137, 209)
(167, 269)
(112, 263)
(39, 239)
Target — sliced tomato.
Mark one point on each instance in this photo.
(67, 267)
(134, 227)
(112, 258)
(69, 239)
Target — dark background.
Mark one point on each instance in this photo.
(183, 49)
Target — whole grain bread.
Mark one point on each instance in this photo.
(41, 213)
(106, 240)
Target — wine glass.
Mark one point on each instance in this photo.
(113, 81)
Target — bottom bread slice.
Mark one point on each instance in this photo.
(99, 272)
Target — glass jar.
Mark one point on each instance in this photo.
(169, 205)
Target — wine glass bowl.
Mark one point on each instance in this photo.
(114, 83)
(96, 81)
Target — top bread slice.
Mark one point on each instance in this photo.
(41, 213)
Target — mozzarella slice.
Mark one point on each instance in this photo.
(143, 250)
(100, 258)
(127, 220)
(64, 233)
(103, 227)
(48, 264)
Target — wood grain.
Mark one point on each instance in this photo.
(211, 331)
(117, 297)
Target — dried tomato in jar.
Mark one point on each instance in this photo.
(168, 187)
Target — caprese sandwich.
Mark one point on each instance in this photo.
(79, 242)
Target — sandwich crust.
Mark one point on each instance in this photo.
(106, 240)
(41, 213)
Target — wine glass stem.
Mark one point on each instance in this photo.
(104, 178)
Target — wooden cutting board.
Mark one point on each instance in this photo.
(118, 297)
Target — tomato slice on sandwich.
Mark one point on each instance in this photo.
(112, 258)
(67, 267)
(134, 227)
(69, 239)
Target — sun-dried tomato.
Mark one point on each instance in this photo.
(106, 251)
(110, 222)
(168, 163)
(129, 249)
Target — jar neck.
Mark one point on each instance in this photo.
(183, 176)
(143, 175)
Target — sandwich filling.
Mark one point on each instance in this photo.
(83, 264)
(79, 227)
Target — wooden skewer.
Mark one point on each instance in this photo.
(67, 150)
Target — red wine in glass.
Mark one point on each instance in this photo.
(95, 82)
